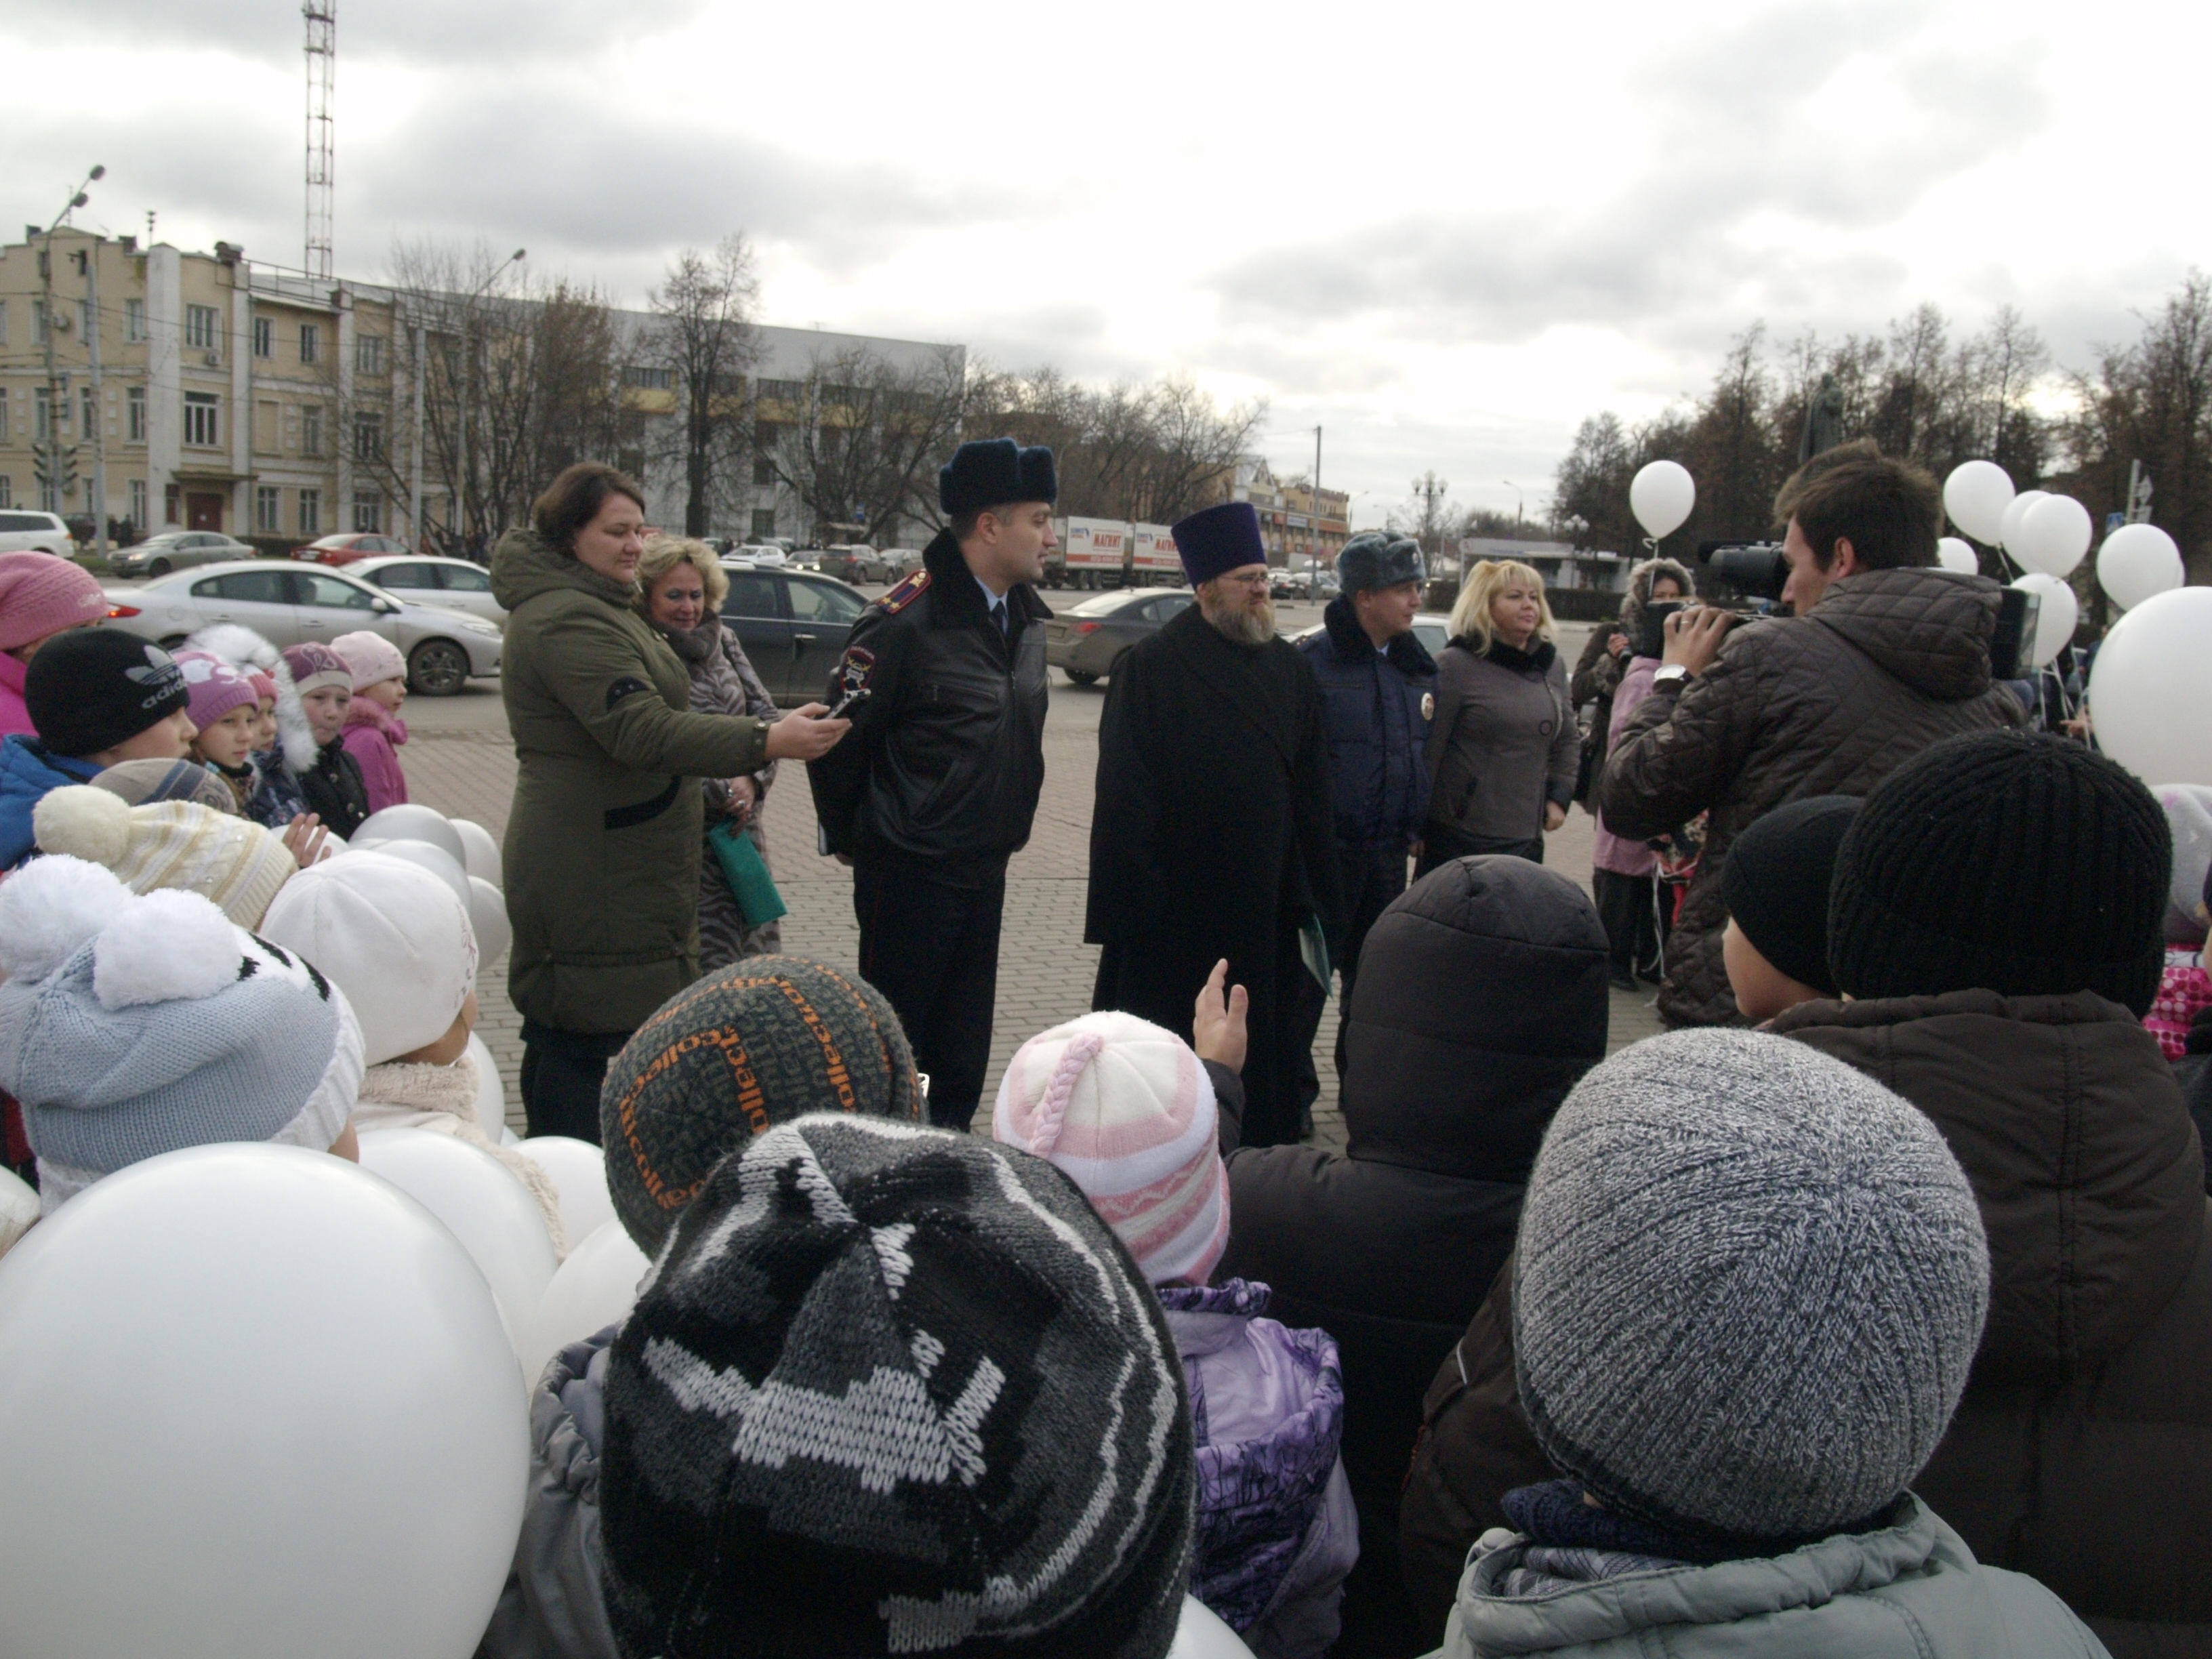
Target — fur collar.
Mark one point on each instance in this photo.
(1505, 656)
(242, 648)
(363, 711)
(1407, 653)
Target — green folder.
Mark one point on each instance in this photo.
(746, 872)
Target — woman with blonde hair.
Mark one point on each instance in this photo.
(681, 586)
(1502, 747)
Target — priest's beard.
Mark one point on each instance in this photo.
(1239, 614)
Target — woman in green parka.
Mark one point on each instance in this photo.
(602, 852)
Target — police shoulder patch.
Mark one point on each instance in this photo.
(905, 594)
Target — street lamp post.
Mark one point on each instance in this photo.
(1519, 500)
(468, 364)
(56, 405)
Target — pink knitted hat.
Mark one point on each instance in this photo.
(315, 666)
(40, 594)
(264, 686)
(214, 686)
(371, 658)
(1124, 1109)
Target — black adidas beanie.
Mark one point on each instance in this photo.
(894, 1389)
(763, 1041)
(2005, 861)
(1776, 883)
(94, 688)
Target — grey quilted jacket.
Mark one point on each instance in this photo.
(1911, 1590)
(1828, 703)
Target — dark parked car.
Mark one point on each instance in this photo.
(793, 624)
(1086, 639)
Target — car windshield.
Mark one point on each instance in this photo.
(1104, 605)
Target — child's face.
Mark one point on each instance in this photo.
(326, 707)
(230, 739)
(169, 737)
(387, 694)
(265, 725)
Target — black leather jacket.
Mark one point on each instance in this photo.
(946, 755)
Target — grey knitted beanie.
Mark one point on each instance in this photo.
(765, 1040)
(891, 1390)
(1750, 1283)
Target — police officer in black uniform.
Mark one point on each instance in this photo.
(936, 788)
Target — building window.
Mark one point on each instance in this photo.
(84, 320)
(134, 414)
(3, 322)
(764, 523)
(268, 509)
(137, 503)
(656, 380)
(41, 413)
(89, 418)
(785, 392)
(367, 513)
(369, 354)
(7, 491)
(201, 426)
(311, 513)
(38, 322)
(134, 321)
(311, 343)
(763, 470)
(368, 436)
(311, 430)
(202, 327)
(265, 336)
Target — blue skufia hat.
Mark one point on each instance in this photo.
(1218, 538)
(992, 472)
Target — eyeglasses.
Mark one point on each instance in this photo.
(1259, 580)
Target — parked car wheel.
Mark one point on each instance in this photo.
(159, 568)
(1080, 677)
(439, 668)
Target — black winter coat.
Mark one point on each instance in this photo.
(1212, 837)
(1481, 1000)
(946, 754)
(1377, 705)
(335, 790)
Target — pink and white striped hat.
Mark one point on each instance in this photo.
(1126, 1110)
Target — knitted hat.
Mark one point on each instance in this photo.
(891, 1390)
(214, 687)
(1126, 1110)
(394, 936)
(994, 472)
(143, 782)
(40, 594)
(1776, 881)
(370, 657)
(767, 1039)
(264, 686)
(231, 861)
(2188, 809)
(2005, 861)
(314, 666)
(92, 688)
(1218, 538)
(1749, 1283)
(132, 1026)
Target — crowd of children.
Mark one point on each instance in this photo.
(1884, 1329)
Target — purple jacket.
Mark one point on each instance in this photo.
(1277, 1532)
(373, 738)
(1608, 851)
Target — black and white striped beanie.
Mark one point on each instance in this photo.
(890, 1389)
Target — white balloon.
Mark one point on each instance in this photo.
(578, 1171)
(19, 1208)
(491, 1091)
(1660, 496)
(2151, 685)
(413, 822)
(489, 1210)
(2137, 561)
(427, 856)
(2054, 536)
(488, 917)
(1957, 557)
(596, 1287)
(2008, 524)
(1976, 495)
(257, 1404)
(2054, 624)
(1201, 1634)
(482, 852)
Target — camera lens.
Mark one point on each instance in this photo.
(1758, 570)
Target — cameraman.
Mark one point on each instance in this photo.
(1884, 655)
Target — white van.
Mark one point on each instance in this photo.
(34, 532)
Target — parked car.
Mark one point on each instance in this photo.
(793, 625)
(856, 565)
(1086, 639)
(760, 553)
(35, 533)
(453, 583)
(176, 549)
(287, 605)
(349, 547)
(1430, 630)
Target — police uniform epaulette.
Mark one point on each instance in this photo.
(905, 594)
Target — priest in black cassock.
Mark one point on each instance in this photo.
(1211, 837)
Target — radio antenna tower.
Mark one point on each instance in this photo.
(322, 18)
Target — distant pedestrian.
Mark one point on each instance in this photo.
(1213, 836)
(1504, 746)
(939, 789)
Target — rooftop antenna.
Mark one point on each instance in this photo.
(322, 18)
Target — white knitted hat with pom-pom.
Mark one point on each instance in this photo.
(132, 1026)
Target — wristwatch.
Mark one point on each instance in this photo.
(1673, 677)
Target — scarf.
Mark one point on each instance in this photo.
(694, 645)
(1505, 656)
(410, 1095)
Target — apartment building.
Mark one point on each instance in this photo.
(1298, 525)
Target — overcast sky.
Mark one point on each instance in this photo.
(1445, 233)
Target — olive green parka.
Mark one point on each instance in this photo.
(602, 850)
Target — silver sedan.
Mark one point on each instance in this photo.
(425, 578)
(289, 604)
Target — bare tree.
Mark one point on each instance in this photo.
(861, 452)
(706, 339)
